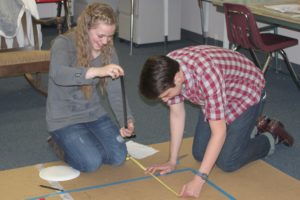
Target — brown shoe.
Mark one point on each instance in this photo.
(58, 151)
(276, 128)
(262, 124)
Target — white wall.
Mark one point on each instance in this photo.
(216, 25)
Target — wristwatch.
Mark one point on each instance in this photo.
(202, 175)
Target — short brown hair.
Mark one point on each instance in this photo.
(157, 76)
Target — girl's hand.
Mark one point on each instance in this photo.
(112, 70)
(127, 132)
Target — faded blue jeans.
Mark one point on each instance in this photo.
(239, 148)
(88, 145)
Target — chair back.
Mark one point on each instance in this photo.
(241, 26)
(28, 36)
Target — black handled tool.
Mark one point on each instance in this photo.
(125, 105)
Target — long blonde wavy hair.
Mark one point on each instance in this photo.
(90, 17)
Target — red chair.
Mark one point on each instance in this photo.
(62, 22)
(243, 32)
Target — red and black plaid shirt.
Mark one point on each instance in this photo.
(225, 83)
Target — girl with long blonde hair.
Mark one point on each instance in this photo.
(82, 61)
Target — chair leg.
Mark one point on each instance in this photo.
(234, 47)
(58, 9)
(36, 82)
(255, 59)
(67, 14)
(267, 64)
(290, 68)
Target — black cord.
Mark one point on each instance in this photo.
(124, 101)
(125, 106)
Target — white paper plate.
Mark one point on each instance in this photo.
(59, 173)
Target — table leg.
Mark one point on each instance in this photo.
(202, 16)
(131, 26)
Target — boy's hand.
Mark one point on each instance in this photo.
(162, 168)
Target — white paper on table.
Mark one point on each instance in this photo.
(139, 151)
(285, 8)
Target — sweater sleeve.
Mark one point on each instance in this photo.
(63, 64)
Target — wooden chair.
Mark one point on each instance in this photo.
(27, 60)
(62, 22)
(243, 32)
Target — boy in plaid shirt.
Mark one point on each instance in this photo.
(229, 88)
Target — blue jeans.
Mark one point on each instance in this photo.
(88, 145)
(239, 149)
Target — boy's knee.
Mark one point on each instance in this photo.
(197, 156)
(227, 166)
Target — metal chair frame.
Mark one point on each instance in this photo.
(253, 41)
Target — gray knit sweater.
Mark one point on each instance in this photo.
(66, 104)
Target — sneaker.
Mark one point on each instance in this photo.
(58, 151)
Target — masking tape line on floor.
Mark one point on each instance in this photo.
(62, 193)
